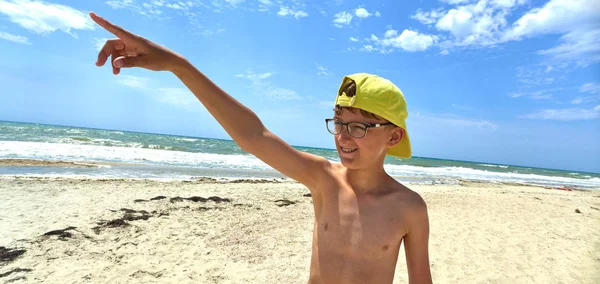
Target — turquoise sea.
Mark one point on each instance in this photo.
(159, 156)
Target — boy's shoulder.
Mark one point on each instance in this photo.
(408, 197)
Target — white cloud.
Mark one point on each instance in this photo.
(408, 40)
(176, 6)
(43, 17)
(368, 48)
(353, 39)
(556, 16)
(207, 32)
(162, 9)
(535, 75)
(121, 4)
(322, 71)
(516, 95)
(233, 3)
(454, 2)
(99, 43)
(537, 95)
(472, 24)
(390, 33)
(592, 88)
(568, 114)
(342, 19)
(255, 77)
(280, 94)
(486, 23)
(286, 11)
(577, 101)
(577, 22)
(264, 87)
(362, 13)
(14, 38)
(428, 18)
(444, 52)
(540, 95)
(158, 3)
(264, 5)
(507, 3)
(583, 47)
(132, 81)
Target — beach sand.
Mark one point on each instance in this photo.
(57, 230)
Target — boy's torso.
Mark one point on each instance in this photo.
(356, 238)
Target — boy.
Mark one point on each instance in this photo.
(362, 215)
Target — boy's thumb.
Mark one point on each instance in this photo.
(127, 61)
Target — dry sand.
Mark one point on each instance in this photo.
(112, 231)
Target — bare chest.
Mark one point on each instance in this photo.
(355, 227)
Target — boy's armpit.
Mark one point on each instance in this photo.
(306, 168)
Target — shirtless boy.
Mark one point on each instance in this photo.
(361, 214)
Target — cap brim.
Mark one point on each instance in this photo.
(403, 149)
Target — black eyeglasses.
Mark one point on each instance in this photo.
(355, 129)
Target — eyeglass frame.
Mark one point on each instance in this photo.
(366, 125)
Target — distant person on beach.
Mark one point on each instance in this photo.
(362, 215)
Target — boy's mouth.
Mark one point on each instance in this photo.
(348, 150)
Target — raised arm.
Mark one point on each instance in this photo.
(241, 123)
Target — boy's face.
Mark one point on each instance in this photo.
(368, 151)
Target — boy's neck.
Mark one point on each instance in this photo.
(367, 181)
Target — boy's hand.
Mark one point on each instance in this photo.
(130, 50)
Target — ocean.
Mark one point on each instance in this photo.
(125, 154)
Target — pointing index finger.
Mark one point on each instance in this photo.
(114, 29)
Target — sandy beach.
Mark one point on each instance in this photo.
(69, 230)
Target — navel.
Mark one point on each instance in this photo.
(385, 247)
(325, 226)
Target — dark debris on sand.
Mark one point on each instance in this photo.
(62, 234)
(284, 202)
(9, 254)
(200, 199)
(130, 215)
(15, 270)
(216, 199)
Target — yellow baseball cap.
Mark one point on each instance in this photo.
(379, 96)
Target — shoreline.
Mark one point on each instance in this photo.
(56, 169)
(226, 180)
(18, 162)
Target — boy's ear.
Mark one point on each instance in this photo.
(396, 136)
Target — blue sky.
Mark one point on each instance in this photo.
(498, 81)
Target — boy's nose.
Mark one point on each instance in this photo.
(344, 135)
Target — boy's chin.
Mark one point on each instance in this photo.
(349, 163)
